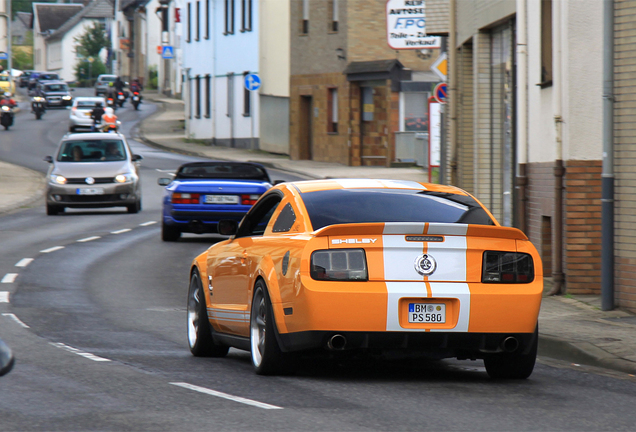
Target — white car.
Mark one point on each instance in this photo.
(80, 116)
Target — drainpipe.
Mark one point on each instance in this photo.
(452, 93)
(213, 76)
(607, 192)
(559, 170)
(522, 114)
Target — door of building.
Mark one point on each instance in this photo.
(306, 129)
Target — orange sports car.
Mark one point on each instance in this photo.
(368, 265)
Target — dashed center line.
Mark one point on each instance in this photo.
(24, 262)
(53, 249)
(79, 352)
(16, 319)
(4, 296)
(148, 223)
(9, 278)
(226, 396)
(121, 231)
(87, 239)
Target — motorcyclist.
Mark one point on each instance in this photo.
(96, 114)
(8, 100)
(136, 86)
(109, 119)
(111, 93)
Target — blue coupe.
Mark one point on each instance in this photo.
(202, 193)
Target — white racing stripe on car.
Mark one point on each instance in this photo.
(4, 296)
(121, 231)
(226, 396)
(399, 254)
(450, 256)
(460, 291)
(53, 249)
(148, 223)
(24, 262)
(447, 229)
(79, 352)
(397, 290)
(9, 278)
(15, 318)
(87, 239)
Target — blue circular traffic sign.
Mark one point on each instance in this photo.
(252, 82)
(440, 92)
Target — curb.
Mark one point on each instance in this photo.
(37, 196)
(584, 353)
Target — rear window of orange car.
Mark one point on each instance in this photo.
(348, 206)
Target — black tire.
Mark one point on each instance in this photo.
(200, 338)
(134, 208)
(169, 234)
(52, 210)
(516, 365)
(267, 357)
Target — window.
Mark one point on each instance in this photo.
(333, 8)
(198, 26)
(246, 98)
(246, 15)
(368, 107)
(198, 99)
(208, 109)
(546, 43)
(207, 19)
(229, 17)
(230, 94)
(416, 112)
(285, 220)
(189, 32)
(257, 219)
(304, 24)
(332, 110)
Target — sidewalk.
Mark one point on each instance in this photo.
(572, 328)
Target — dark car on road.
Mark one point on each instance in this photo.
(56, 93)
(23, 81)
(102, 83)
(202, 193)
(36, 77)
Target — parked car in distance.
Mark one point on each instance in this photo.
(23, 80)
(80, 115)
(202, 193)
(56, 93)
(93, 170)
(102, 83)
(349, 266)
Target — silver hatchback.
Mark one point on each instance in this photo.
(93, 170)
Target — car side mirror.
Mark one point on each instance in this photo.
(228, 227)
(164, 181)
(277, 182)
(48, 159)
(137, 157)
(6, 359)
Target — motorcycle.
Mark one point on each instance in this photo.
(136, 100)
(6, 117)
(110, 102)
(121, 98)
(110, 128)
(37, 106)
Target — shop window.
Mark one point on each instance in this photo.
(332, 110)
(416, 112)
(546, 43)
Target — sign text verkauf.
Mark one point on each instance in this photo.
(406, 24)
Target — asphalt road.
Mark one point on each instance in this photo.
(97, 323)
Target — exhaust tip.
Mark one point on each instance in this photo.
(510, 344)
(337, 342)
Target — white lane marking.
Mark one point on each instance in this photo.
(81, 353)
(226, 396)
(24, 262)
(121, 231)
(87, 239)
(53, 249)
(9, 278)
(148, 223)
(4, 296)
(16, 319)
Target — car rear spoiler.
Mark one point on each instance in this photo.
(416, 228)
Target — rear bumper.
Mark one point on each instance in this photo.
(197, 220)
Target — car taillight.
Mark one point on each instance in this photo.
(185, 198)
(249, 199)
(507, 267)
(339, 265)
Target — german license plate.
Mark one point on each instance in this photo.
(427, 313)
(221, 199)
(90, 191)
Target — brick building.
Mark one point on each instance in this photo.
(353, 99)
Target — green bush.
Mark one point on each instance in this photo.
(153, 77)
(97, 68)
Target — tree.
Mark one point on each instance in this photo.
(92, 41)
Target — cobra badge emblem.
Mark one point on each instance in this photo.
(90, 180)
(425, 265)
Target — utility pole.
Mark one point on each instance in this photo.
(7, 15)
(165, 41)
